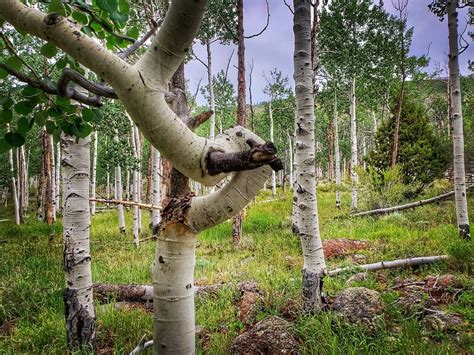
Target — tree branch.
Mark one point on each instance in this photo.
(132, 48)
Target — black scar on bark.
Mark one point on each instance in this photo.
(80, 325)
(257, 156)
(312, 291)
(52, 19)
(465, 231)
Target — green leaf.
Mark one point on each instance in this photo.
(23, 125)
(25, 107)
(40, 118)
(56, 6)
(3, 73)
(61, 63)
(6, 116)
(133, 32)
(124, 7)
(14, 62)
(4, 146)
(29, 91)
(50, 126)
(119, 18)
(109, 6)
(80, 17)
(83, 129)
(49, 50)
(87, 115)
(14, 139)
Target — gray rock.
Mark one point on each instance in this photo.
(273, 335)
(358, 305)
(443, 322)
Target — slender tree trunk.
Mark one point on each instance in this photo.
(57, 174)
(127, 185)
(290, 163)
(41, 181)
(16, 204)
(397, 123)
(354, 152)
(94, 172)
(79, 306)
(331, 152)
(212, 119)
(118, 193)
(156, 187)
(136, 191)
(149, 179)
(48, 201)
(270, 114)
(337, 153)
(306, 203)
(241, 105)
(53, 178)
(458, 135)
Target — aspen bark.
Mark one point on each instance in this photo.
(118, 193)
(79, 306)
(337, 154)
(57, 174)
(458, 134)
(48, 191)
(94, 172)
(156, 187)
(270, 114)
(16, 204)
(290, 163)
(53, 178)
(306, 202)
(135, 190)
(354, 150)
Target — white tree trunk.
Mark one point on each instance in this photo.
(212, 119)
(94, 173)
(290, 155)
(306, 202)
(354, 153)
(79, 307)
(458, 135)
(57, 169)
(136, 191)
(270, 114)
(156, 186)
(53, 177)
(118, 193)
(127, 186)
(337, 155)
(16, 204)
(173, 291)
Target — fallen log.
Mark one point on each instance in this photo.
(388, 210)
(389, 264)
(138, 293)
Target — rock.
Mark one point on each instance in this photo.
(443, 322)
(248, 307)
(358, 305)
(413, 302)
(338, 248)
(361, 276)
(248, 286)
(359, 259)
(273, 335)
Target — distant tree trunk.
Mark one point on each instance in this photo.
(41, 181)
(149, 179)
(127, 185)
(270, 114)
(354, 153)
(118, 192)
(241, 105)
(94, 172)
(136, 189)
(337, 153)
(212, 119)
(48, 196)
(458, 135)
(57, 175)
(306, 202)
(79, 306)
(16, 204)
(331, 151)
(53, 178)
(22, 182)
(156, 187)
(252, 112)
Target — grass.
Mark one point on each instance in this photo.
(32, 280)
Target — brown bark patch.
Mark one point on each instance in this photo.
(273, 335)
(339, 248)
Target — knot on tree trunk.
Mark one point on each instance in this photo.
(258, 155)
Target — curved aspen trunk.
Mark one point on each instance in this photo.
(79, 306)
(270, 114)
(212, 119)
(354, 150)
(156, 186)
(173, 291)
(458, 134)
(337, 154)
(94, 172)
(306, 203)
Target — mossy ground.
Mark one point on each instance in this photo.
(32, 280)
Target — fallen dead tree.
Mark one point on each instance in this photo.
(387, 210)
(125, 203)
(392, 264)
(138, 293)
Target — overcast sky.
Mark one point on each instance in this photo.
(274, 48)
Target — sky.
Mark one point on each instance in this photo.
(274, 48)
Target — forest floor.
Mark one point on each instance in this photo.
(32, 281)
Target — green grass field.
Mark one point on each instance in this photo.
(32, 280)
